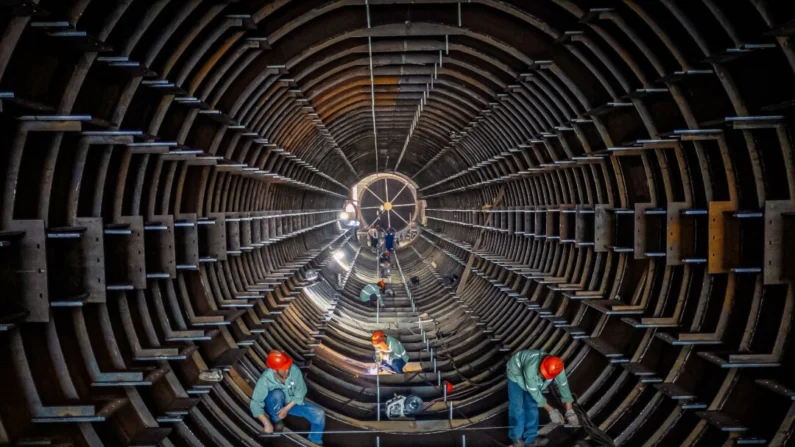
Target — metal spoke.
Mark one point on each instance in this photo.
(401, 190)
(399, 216)
(379, 209)
(374, 194)
(386, 194)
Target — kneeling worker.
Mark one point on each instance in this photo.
(371, 294)
(529, 373)
(386, 289)
(280, 391)
(389, 352)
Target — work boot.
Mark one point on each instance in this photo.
(278, 427)
(517, 443)
(539, 442)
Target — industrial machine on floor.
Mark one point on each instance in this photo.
(404, 407)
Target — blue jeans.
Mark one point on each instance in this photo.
(397, 365)
(522, 414)
(309, 411)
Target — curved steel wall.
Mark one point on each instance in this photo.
(172, 169)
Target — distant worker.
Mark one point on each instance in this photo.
(372, 295)
(380, 234)
(389, 239)
(373, 234)
(450, 281)
(389, 352)
(385, 257)
(281, 391)
(529, 373)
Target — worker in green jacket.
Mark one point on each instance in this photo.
(371, 294)
(389, 352)
(280, 391)
(529, 374)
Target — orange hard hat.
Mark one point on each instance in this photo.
(378, 337)
(381, 283)
(279, 361)
(551, 366)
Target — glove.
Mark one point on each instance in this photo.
(556, 417)
(572, 419)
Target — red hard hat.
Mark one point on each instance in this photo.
(279, 361)
(448, 386)
(378, 337)
(551, 366)
(386, 252)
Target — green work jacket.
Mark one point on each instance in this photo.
(395, 351)
(294, 389)
(523, 370)
(368, 290)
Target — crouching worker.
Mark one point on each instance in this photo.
(529, 373)
(389, 352)
(386, 289)
(370, 294)
(280, 391)
(384, 258)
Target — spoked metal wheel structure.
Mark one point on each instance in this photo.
(387, 200)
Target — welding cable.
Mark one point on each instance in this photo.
(475, 385)
(585, 421)
(441, 342)
(368, 432)
(591, 429)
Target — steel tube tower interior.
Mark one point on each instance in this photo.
(611, 181)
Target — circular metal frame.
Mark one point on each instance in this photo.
(370, 215)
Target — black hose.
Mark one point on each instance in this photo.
(586, 424)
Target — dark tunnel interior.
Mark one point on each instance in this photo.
(187, 186)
